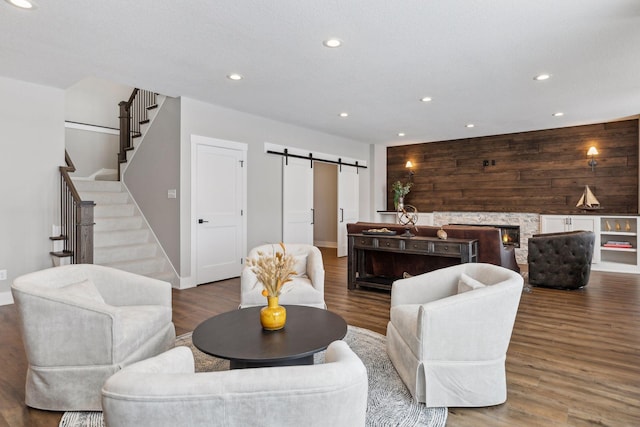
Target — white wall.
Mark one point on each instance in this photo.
(31, 150)
(94, 101)
(264, 205)
(378, 182)
(91, 151)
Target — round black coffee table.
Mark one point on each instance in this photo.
(238, 336)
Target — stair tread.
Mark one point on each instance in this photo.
(126, 246)
(62, 254)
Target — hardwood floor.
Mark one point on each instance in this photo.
(574, 357)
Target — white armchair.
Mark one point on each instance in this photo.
(306, 288)
(165, 391)
(449, 332)
(81, 323)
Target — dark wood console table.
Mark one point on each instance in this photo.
(466, 250)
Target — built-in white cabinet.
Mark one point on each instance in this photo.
(616, 243)
(619, 244)
(560, 223)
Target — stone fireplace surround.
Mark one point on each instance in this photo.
(529, 224)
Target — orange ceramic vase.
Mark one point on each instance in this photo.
(273, 316)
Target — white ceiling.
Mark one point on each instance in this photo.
(477, 59)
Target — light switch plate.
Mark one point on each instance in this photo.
(3, 274)
(171, 194)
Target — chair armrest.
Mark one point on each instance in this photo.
(52, 326)
(315, 269)
(426, 287)
(248, 280)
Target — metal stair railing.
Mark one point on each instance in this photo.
(133, 113)
(76, 220)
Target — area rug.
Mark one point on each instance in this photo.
(389, 403)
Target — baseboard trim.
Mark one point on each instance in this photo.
(6, 298)
(323, 244)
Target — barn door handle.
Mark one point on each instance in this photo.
(313, 216)
(201, 221)
(341, 214)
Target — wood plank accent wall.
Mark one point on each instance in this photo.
(541, 171)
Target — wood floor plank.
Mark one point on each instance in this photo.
(574, 357)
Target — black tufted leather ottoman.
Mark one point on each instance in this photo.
(560, 260)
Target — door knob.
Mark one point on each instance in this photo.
(200, 221)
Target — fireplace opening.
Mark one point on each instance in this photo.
(509, 234)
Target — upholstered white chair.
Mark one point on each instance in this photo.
(306, 288)
(449, 332)
(82, 323)
(165, 391)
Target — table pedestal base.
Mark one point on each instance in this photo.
(243, 364)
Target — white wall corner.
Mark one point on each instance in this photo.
(6, 298)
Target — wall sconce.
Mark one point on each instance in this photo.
(593, 152)
(409, 166)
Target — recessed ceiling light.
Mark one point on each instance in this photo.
(470, 125)
(543, 76)
(234, 76)
(344, 114)
(426, 99)
(558, 114)
(22, 4)
(332, 42)
(401, 133)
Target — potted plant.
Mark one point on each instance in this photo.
(399, 191)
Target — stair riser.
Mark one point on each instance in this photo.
(93, 186)
(112, 254)
(143, 266)
(105, 197)
(103, 239)
(101, 211)
(118, 223)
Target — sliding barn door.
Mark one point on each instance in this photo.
(348, 197)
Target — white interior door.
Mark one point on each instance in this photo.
(297, 201)
(348, 200)
(219, 212)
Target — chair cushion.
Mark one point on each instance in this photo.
(405, 318)
(136, 325)
(300, 265)
(304, 293)
(466, 284)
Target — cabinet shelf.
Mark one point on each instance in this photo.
(605, 248)
(618, 233)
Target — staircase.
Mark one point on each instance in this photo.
(122, 238)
